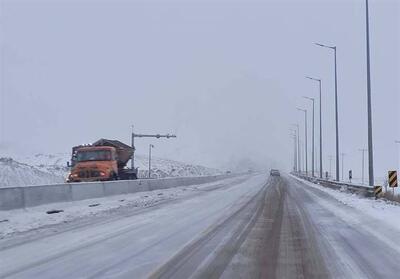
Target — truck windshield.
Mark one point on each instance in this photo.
(95, 155)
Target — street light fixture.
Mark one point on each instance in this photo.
(336, 110)
(327, 46)
(320, 124)
(313, 148)
(305, 132)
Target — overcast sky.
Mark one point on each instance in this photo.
(225, 76)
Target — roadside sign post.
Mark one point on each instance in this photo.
(377, 191)
(392, 179)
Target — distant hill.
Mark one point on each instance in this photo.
(13, 173)
(169, 168)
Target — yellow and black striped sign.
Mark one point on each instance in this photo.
(392, 178)
(377, 190)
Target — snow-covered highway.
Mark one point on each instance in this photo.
(251, 226)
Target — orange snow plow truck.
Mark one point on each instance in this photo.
(101, 161)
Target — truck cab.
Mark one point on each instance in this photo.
(93, 163)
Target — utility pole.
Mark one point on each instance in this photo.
(150, 147)
(370, 146)
(362, 166)
(144, 136)
(305, 132)
(336, 110)
(313, 148)
(320, 124)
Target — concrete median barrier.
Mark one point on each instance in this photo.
(37, 195)
(28, 196)
(11, 198)
(82, 191)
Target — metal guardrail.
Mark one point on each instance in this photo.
(337, 185)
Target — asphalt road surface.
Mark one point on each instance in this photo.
(253, 226)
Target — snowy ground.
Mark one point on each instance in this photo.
(357, 235)
(249, 226)
(148, 236)
(386, 211)
(13, 173)
(20, 220)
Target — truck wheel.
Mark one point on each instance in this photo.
(114, 177)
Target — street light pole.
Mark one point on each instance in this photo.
(298, 147)
(320, 125)
(305, 132)
(362, 168)
(294, 136)
(150, 147)
(313, 148)
(370, 146)
(336, 110)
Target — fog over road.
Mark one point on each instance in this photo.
(253, 226)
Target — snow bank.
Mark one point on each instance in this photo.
(383, 210)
